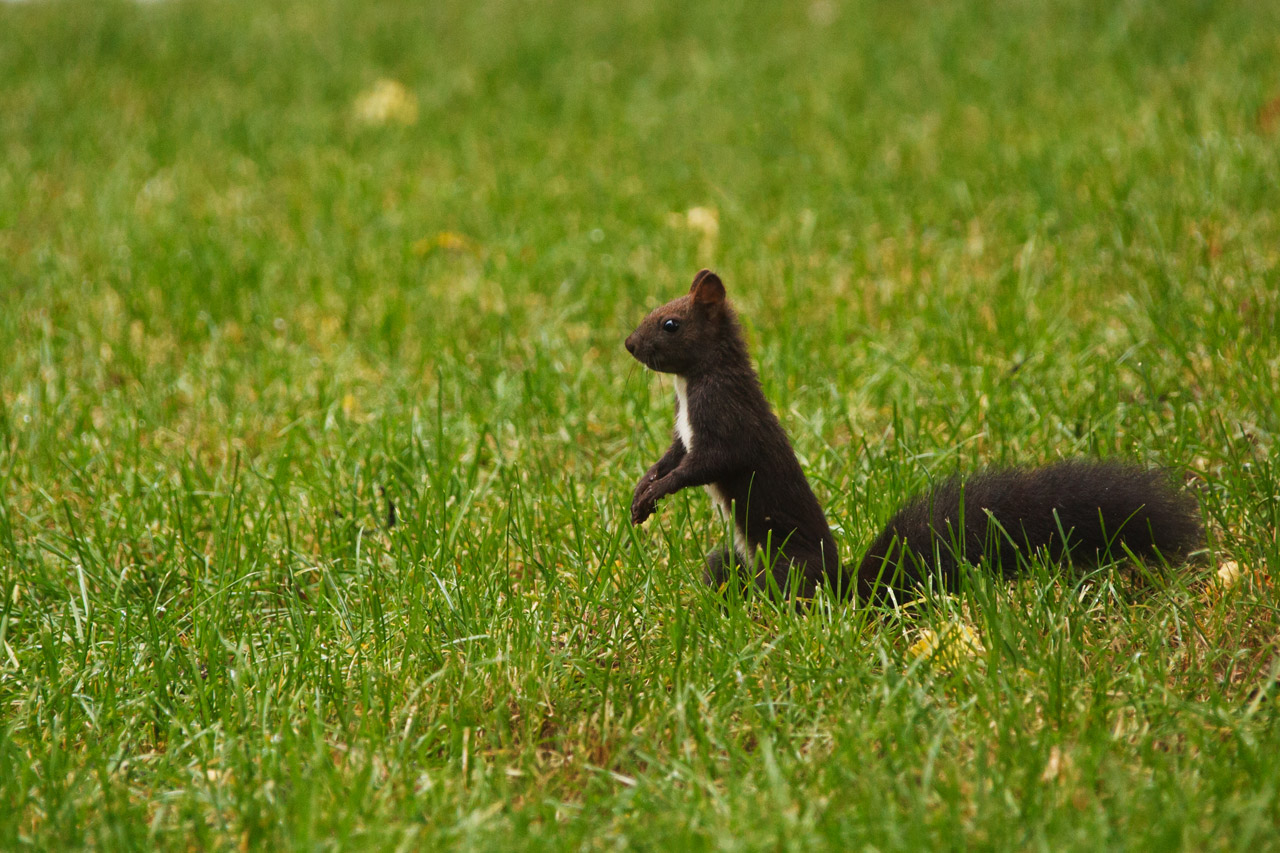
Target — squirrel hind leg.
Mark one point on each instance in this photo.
(724, 566)
(726, 569)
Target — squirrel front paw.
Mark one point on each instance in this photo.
(644, 502)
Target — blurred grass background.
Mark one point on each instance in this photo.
(255, 301)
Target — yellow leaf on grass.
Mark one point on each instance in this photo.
(1229, 573)
(948, 647)
(445, 241)
(386, 101)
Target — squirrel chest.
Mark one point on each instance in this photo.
(684, 430)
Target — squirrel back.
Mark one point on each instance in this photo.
(728, 439)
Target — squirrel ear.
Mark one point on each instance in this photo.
(707, 288)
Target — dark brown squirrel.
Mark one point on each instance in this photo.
(728, 439)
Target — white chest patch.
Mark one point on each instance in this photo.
(684, 428)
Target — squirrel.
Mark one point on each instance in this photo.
(728, 439)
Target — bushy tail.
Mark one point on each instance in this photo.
(1093, 510)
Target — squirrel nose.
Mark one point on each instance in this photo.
(631, 345)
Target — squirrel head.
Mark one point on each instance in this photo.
(687, 334)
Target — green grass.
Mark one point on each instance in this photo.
(239, 325)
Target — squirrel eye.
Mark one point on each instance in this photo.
(670, 324)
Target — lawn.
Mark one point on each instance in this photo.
(317, 435)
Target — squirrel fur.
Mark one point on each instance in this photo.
(728, 440)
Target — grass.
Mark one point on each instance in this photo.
(243, 327)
